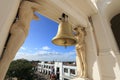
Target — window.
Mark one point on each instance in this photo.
(72, 71)
(65, 70)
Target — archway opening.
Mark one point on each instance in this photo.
(115, 25)
(38, 45)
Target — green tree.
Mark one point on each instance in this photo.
(22, 69)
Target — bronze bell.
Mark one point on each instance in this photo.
(64, 35)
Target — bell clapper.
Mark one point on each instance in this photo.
(65, 44)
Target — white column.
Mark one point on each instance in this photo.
(91, 54)
(61, 70)
(8, 10)
(68, 71)
(109, 57)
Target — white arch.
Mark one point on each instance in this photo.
(112, 8)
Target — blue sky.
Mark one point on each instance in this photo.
(38, 45)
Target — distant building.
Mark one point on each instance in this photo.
(62, 70)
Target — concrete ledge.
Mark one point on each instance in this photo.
(80, 79)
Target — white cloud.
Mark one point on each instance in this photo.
(44, 55)
(45, 48)
(23, 48)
